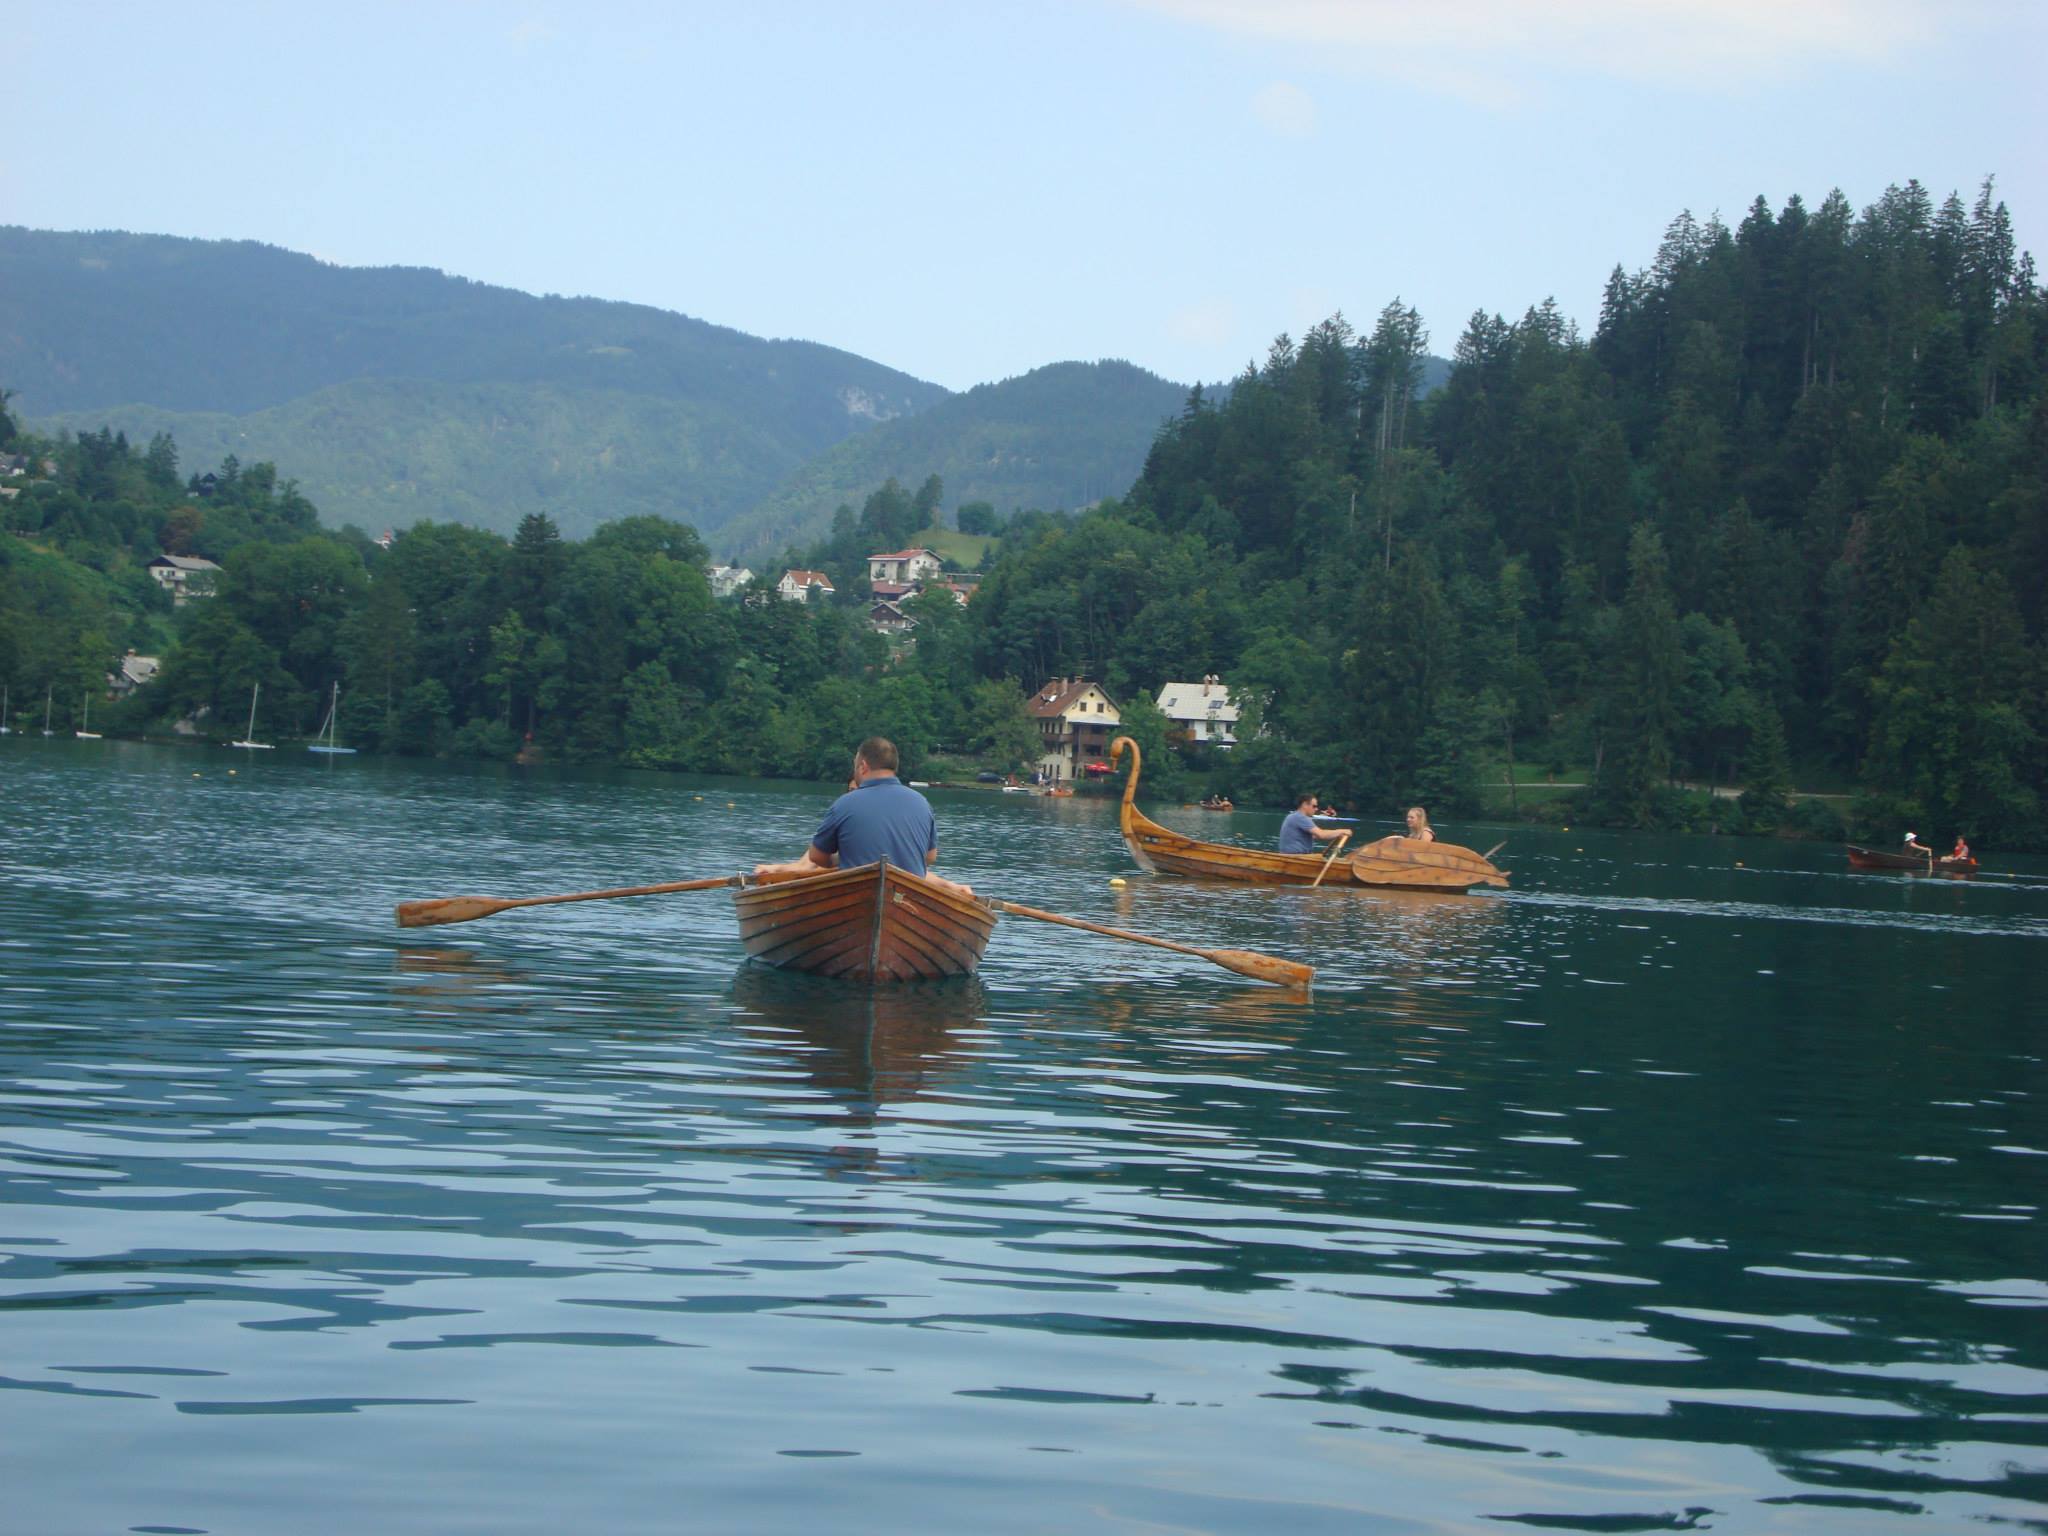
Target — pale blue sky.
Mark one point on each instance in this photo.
(968, 191)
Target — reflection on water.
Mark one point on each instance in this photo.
(1646, 1196)
(864, 1047)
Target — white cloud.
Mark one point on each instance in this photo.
(1286, 110)
(531, 32)
(1480, 46)
(1209, 322)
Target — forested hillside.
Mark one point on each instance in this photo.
(395, 393)
(1782, 517)
(1061, 436)
(1787, 506)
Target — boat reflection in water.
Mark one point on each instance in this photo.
(1418, 955)
(862, 1048)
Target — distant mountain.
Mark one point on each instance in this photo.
(1061, 436)
(396, 393)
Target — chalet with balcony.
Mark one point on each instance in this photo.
(904, 567)
(1075, 722)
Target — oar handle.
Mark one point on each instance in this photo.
(464, 909)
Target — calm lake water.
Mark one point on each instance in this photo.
(1665, 1192)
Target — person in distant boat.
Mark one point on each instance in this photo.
(1418, 825)
(1299, 832)
(1960, 854)
(1913, 845)
(878, 818)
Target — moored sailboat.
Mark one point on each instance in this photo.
(328, 728)
(85, 732)
(249, 741)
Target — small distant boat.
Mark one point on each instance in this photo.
(249, 742)
(327, 728)
(1215, 803)
(874, 923)
(85, 732)
(1910, 863)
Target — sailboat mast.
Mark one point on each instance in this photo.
(254, 689)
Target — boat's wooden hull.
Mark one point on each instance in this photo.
(1907, 863)
(1393, 863)
(875, 923)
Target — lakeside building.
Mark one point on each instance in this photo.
(800, 586)
(1075, 718)
(904, 567)
(886, 618)
(184, 576)
(132, 672)
(1201, 713)
(728, 579)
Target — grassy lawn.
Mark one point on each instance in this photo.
(969, 549)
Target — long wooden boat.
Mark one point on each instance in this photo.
(1394, 863)
(1911, 863)
(873, 923)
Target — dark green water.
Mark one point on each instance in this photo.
(1660, 1194)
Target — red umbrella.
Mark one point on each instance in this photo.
(1095, 768)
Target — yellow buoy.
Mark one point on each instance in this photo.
(731, 804)
(231, 773)
(1738, 863)
(1116, 879)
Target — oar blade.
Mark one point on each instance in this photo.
(1246, 962)
(448, 909)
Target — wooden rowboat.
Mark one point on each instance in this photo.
(872, 923)
(1911, 863)
(1393, 863)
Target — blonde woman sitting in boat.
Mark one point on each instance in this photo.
(879, 819)
(1418, 826)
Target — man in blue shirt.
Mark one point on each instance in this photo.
(878, 818)
(1300, 834)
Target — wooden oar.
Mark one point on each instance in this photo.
(1496, 848)
(463, 909)
(1342, 838)
(1282, 973)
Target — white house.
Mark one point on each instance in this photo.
(799, 586)
(1200, 712)
(184, 575)
(904, 567)
(1075, 718)
(728, 579)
